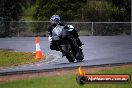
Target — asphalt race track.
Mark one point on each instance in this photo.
(98, 50)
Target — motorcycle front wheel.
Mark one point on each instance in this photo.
(66, 49)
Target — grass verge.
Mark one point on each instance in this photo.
(12, 58)
(69, 80)
(84, 33)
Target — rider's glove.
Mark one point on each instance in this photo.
(50, 38)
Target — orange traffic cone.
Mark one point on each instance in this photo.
(39, 54)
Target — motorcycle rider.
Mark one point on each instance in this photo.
(55, 20)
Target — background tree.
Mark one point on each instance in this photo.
(67, 9)
(98, 10)
(10, 10)
(124, 10)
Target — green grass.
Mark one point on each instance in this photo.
(68, 81)
(12, 58)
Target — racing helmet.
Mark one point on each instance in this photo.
(55, 19)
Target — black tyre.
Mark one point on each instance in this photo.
(66, 49)
(70, 58)
(79, 56)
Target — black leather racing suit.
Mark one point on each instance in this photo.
(53, 45)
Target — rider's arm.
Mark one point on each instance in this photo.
(50, 30)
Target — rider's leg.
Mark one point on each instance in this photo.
(53, 46)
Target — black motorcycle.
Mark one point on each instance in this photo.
(67, 44)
